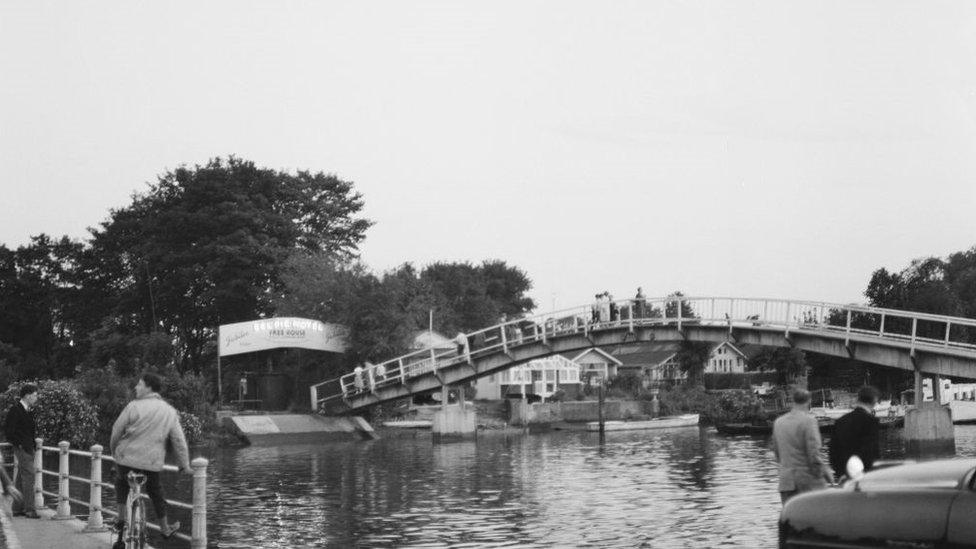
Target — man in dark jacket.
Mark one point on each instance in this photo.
(857, 433)
(20, 431)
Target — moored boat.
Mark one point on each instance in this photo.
(686, 420)
(409, 424)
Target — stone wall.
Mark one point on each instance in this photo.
(522, 413)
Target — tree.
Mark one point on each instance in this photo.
(691, 358)
(206, 246)
(384, 313)
(36, 321)
(789, 364)
(671, 308)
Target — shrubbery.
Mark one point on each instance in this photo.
(83, 410)
(62, 412)
(718, 407)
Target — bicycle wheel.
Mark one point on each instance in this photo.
(137, 526)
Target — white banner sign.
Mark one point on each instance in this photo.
(273, 333)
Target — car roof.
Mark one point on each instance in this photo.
(944, 473)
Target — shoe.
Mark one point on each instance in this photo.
(32, 515)
(169, 529)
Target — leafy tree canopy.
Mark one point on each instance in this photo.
(205, 245)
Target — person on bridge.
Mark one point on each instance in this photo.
(20, 429)
(796, 443)
(857, 433)
(138, 443)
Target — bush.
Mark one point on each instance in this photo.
(718, 407)
(626, 384)
(192, 427)
(62, 412)
(109, 393)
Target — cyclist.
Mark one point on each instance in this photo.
(139, 439)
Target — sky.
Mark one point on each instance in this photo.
(764, 148)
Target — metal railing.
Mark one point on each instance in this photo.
(198, 507)
(915, 330)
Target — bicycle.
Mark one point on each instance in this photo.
(132, 534)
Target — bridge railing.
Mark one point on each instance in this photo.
(96, 511)
(915, 329)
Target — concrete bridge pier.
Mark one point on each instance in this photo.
(928, 427)
(453, 421)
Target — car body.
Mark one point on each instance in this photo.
(920, 505)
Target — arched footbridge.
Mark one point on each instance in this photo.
(932, 345)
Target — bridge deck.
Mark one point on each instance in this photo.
(926, 343)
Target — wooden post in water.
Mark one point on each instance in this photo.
(600, 407)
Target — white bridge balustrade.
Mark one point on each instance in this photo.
(96, 511)
(927, 343)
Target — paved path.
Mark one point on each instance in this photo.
(45, 533)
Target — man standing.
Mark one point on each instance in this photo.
(138, 444)
(796, 443)
(21, 432)
(857, 433)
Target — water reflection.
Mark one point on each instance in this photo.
(670, 488)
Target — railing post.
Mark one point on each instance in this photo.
(914, 330)
(680, 314)
(64, 506)
(881, 331)
(504, 339)
(630, 317)
(848, 328)
(95, 499)
(198, 530)
(712, 314)
(314, 396)
(433, 361)
(38, 476)
(788, 319)
(403, 373)
(371, 376)
(948, 326)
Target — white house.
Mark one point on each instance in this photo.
(596, 365)
(658, 365)
(542, 377)
(726, 359)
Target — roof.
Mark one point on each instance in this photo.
(598, 351)
(645, 358)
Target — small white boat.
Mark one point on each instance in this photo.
(409, 424)
(686, 420)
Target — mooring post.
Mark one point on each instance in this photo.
(600, 399)
(198, 530)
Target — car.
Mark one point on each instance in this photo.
(919, 505)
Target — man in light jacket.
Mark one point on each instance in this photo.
(796, 443)
(138, 444)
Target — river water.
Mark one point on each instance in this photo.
(686, 487)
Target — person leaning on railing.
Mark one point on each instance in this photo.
(138, 444)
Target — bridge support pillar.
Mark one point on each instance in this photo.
(928, 431)
(453, 423)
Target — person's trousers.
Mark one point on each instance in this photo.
(153, 488)
(25, 480)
